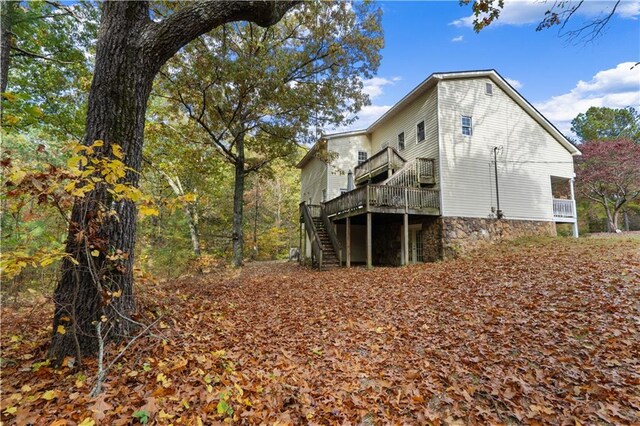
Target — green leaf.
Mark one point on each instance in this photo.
(142, 416)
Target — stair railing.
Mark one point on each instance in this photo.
(316, 248)
(337, 247)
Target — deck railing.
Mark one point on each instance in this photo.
(563, 208)
(414, 173)
(388, 158)
(396, 197)
(307, 218)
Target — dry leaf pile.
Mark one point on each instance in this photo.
(544, 332)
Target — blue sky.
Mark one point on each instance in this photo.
(559, 77)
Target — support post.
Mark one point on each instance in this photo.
(406, 226)
(348, 238)
(369, 257)
(406, 239)
(304, 242)
(300, 244)
(575, 210)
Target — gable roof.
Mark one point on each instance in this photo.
(492, 74)
(317, 146)
(432, 81)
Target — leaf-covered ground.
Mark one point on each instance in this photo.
(544, 332)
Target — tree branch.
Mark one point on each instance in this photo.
(23, 52)
(162, 40)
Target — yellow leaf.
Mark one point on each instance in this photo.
(119, 188)
(49, 395)
(117, 151)
(239, 389)
(9, 96)
(149, 211)
(117, 293)
(61, 329)
(164, 415)
(26, 388)
(98, 143)
(78, 160)
(87, 422)
(15, 338)
(11, 410)
(189, 198)
(95, 253)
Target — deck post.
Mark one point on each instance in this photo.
(304, 243)
(369, 257)
(300, 243)
(406, 239)
(367, 194)
(575, 210)
(406, 227)
(348, 238)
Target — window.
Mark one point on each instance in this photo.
(420, 131)
(488, 89)
(362, 157)
(466, 125)
(401, 141)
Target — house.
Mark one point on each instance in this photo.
(461, 161)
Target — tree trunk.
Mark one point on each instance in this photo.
(192, 217)
(117, 103)
(131, 49)
(6, 18)
(237, 234)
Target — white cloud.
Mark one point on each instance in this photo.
(366, 117)
(374, 87)
(617, 87)
(521, 12)
(514, 83)
(457, 39)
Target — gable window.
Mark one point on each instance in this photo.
(420, 131)
(466, 125)
(362, 157)
(401, 141)
(488, 89)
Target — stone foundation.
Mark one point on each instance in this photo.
(431, 238)
(463, 234)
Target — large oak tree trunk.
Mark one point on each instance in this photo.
(116, 111)
(130, 51)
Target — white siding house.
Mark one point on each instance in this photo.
(463, 159)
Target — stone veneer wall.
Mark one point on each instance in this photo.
(462, 234)
(432, 247)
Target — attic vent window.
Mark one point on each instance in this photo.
(488, 88)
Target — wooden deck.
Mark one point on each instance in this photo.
(381, 162)
(384, 199)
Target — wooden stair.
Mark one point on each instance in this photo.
(329, 257)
